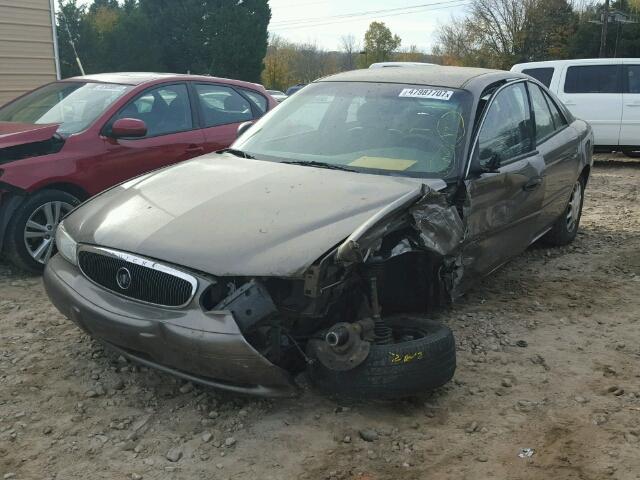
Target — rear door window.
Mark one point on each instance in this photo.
(259, 100)
(544, 119)
(559, 119)
(543, 75)
(222, 105)
(593, 79)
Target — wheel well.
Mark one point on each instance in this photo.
(70, 188)
(586, 171)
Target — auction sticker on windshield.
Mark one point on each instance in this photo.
(426, 93)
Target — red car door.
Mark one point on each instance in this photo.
(172, 136)
(222, 110)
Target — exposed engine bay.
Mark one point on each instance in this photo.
(399, 261)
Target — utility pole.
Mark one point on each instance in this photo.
(73, 45)
(603, 35)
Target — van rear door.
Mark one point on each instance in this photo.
(630, 129)
(594, 93)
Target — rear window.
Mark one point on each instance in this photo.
(593, 79)
(543, 75)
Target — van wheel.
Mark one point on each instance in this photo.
(565, 229)
(30, 240)
(421, 358)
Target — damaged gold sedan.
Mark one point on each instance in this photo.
(323, 236)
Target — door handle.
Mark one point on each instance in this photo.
(634, 104)
(532, 184)
(195, 149)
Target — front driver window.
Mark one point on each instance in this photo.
(164, 110)
(506, 131)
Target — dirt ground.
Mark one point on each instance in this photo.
(549, 349)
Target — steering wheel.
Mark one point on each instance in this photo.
(420, 141)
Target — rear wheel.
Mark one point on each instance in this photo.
(422, 357)
(565, 229)
(30, 240)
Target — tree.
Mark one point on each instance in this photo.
(218, 37)
(379, 43)
(278, 63)
(499, 33)
(351, 51)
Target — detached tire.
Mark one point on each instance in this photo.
(398, 370)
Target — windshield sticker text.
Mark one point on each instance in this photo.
(426, 93)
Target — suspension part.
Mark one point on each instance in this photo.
(383, 333)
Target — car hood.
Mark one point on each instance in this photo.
(12, 133)
(226, 215)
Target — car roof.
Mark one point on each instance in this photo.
(139, 78)
(440, 76)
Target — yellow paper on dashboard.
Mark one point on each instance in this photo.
(381, 163)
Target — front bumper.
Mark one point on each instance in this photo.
(202, 347)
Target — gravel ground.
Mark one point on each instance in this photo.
(548, 360)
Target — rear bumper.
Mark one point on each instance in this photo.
(202, 347)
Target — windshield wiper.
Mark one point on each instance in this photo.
(311, 163)
(237, 153)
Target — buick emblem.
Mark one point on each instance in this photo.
(123, 278)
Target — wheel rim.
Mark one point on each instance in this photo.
(40, 230)
(573, 211)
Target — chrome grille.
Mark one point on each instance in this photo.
(136, 277)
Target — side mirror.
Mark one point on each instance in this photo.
(128, 128)
(243, 127)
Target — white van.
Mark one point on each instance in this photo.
(603, 91)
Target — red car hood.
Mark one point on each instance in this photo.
(12, 133)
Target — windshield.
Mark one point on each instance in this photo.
(381, 128)
(75, 105)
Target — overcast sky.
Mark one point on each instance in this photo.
(326, 21)
(416, 26)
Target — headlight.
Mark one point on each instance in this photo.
(67, 246)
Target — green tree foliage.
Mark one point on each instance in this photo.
(623, 39)
(214, 37)
(379, 44)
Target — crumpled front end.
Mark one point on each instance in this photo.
(252, 334)
(206, 347)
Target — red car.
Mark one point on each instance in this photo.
(68, 140)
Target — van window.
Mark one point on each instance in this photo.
(543, 75)
(592, 79)
(632, 78)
